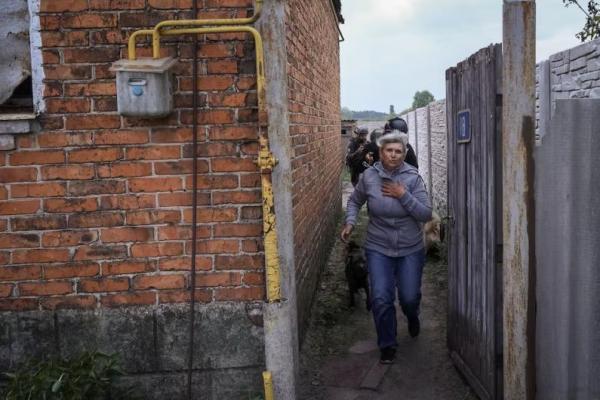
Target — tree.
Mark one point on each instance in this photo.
(591, 29)
(422, 98)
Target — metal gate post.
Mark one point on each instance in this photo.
(518, 141)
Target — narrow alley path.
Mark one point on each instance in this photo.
(340, 359)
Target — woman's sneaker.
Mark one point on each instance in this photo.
(388, 355)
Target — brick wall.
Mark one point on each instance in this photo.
(95, 208)
(314, 104)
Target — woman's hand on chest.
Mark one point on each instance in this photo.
(393, 189)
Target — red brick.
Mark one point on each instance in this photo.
(239, 262)
(203, 263)
(96, 121)
(213, 182)
(237, 197)
(21, 174)
(219, 279)
(69, 302)
(155, 184)
(86, 188)
(227, 99)
(182, 199)
(153, 217)
(179, 167)
(104, 104)
(69, 205)
(5, 290)
(40, 256)
(229, 3)
(71, 270)
(50, 22)
(170, 4)
(94, 155)
(97, 252)
(16, 207)
(68, 238)
(45, 222)
(217, 246)
(89, 20)
(184, 296)
(49, 122)
(37, 157)
(68, 72)
(127, 267)
(123, 136)
(252, 212)
(18, 240)
(127, 202)
(254, 278)
(38, 190)
(233, 164)
(212, 149)
(205, 83)
(116, 4)
(50, 57)
(68, 172)
(4, 257)
(62, 39)
(55, 106)
(110, 37)
(209, 117)
(91, 89)
(182, 232)
(3, 225)
(52, 89)
(128, 299)
(24, 273)
(63, 5)
(24, 141)
(238, 230)
(124, 169)
(59, 139)
(212, 214)
(250, 148)
(250, 181)
(45, 288)
(240, 294)
(157, 249)
(222, 67)
(233, 133)
(173, 135)
(103, 285)
(3, 193)
(96, 219)
(126, 235)
(102, 71)
(18, 304)
(159, 282)
(215, 50)
(153, 153)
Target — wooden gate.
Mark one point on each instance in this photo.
(474, 114)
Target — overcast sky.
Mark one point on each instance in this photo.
(393, 48)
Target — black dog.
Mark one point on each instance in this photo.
(356, 272)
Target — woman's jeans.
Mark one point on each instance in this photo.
(385, 275)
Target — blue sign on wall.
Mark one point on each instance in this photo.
(463, 130)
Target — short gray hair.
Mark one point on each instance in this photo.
(393, 137)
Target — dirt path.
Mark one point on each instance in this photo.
(339, 354)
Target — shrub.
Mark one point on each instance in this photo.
(90, 376)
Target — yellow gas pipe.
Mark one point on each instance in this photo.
(266, 161)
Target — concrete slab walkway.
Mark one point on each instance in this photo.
(340, 359)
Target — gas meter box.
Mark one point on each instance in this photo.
(144, 87)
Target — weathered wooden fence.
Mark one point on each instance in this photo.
(474, 113)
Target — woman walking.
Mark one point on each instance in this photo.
(398, 204)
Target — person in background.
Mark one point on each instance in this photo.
(398, 124)
(398, 204)
(355, 154)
